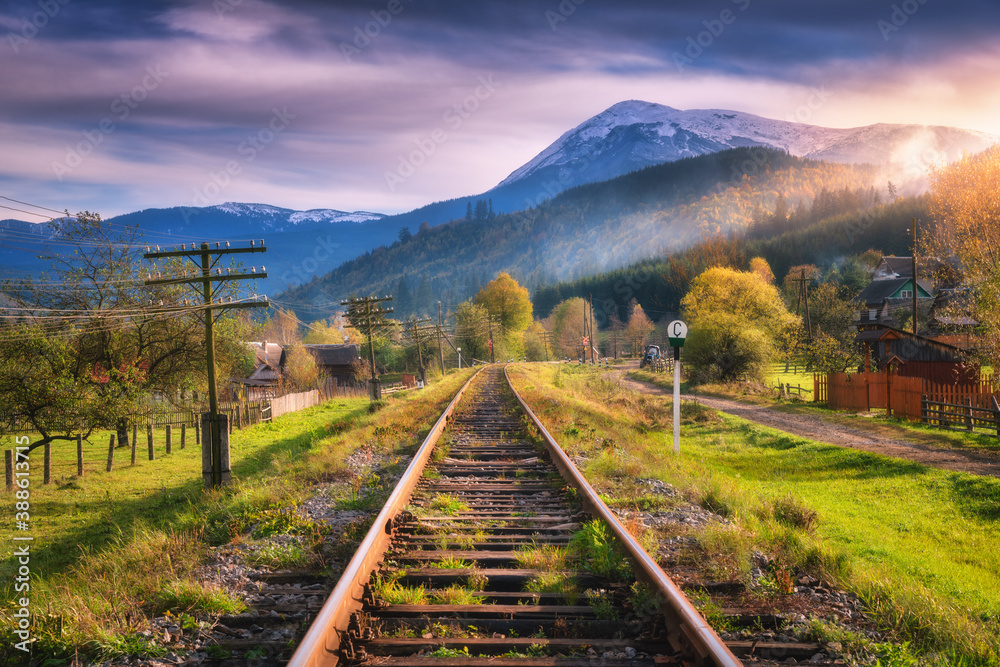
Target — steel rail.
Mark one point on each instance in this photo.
(321, 645)
(686, 627)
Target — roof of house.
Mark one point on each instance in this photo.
(880, 290)
(883, 332)
(268, 353)
(901, 266)
(334, 355)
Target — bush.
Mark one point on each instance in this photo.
(726, 348)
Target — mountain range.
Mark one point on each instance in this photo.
(627, 137)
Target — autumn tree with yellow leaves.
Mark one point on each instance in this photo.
(966, 210)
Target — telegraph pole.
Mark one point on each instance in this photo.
(440, 347)
(914, 226)
(590, 324)
(369, 313)
(415, 334)
(804, 296)
(489, 320)
(215, 456)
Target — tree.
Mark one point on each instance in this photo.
(737, 322)
(724, 348)
(535, 347)
(966, 209)
(472, 330)
(301, 370)
(638, 329)
(281, 328)
(510, 305)
(760, 266)
(567, 324)
(326, 332)
(506, 300)
(404, 234)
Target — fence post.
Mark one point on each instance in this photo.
(239, 418)
(111, 453)
(968, 413)
(149, 440)
(47, 467)
(8, 467)
(79, 455)
(183, 435)
(197, 433)
(923, 409)
(168, 440)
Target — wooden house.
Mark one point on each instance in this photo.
(336, 361)
(916, 356)
(882, 300)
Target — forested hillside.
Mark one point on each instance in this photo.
(585, 231)
(837, 226)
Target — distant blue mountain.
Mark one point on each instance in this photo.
(300, 244)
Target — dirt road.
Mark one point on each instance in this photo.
(821, 430)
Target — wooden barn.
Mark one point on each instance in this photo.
(917, 356)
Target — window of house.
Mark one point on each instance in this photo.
(906, 294)
(872, 314)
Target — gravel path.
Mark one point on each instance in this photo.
(818, 429)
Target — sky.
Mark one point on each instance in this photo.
(120, 106)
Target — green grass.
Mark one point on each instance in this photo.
(918, 544)
(110, 550)
(456, 594)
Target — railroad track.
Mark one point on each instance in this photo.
(494, 550)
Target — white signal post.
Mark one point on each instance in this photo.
(677, 331)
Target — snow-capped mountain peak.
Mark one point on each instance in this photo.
(635, 134)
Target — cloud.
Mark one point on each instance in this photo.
(354, 117)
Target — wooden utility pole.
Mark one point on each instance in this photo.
(914, 226)
(415, 334)
(367, 312)
(545, 336)
(804, 297)
(590, 326)
(211, 279)
(489, 321)
(440, 347)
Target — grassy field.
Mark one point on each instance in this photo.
(110, 550)
(918, 544)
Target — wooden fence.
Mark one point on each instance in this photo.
(917, 399)
(964, 416)
(180, 427)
